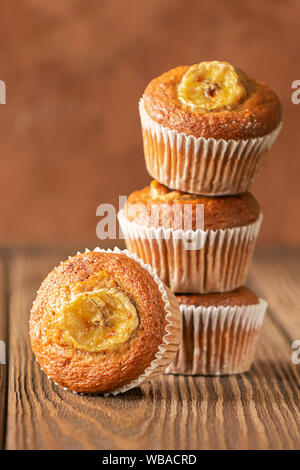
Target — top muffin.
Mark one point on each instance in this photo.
(212, 99)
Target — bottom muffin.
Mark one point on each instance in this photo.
(220, 332)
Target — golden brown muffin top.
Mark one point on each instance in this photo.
(234, 298)
(156, 204)
(60, 345)
(246, 108)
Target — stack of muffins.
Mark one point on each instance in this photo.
(206, 129)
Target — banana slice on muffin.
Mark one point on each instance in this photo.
(103, 322)
(99, 318)
(212, 86)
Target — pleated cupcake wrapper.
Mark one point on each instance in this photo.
(200, 165)
(220, 262)
(218, 340)
(170, 342)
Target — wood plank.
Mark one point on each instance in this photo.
(3, 340)
(279, 273)
(257, 410)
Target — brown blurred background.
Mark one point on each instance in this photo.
(69, 134)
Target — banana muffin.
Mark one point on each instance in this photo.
(196, 244)
(220, 332)
(206, 128)
(102, 322)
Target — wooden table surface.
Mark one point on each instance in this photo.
(256, 410)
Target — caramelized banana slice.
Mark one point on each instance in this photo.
(211, 86)
(97, 320)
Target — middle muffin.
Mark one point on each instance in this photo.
(196, 244)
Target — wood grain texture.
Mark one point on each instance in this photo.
(257, 410)
(3, 339)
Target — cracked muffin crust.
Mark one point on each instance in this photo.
(98, 321)
(219, 212)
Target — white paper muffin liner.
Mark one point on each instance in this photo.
(170, 341)
(218, 340)
(199, 165)
(220, 263)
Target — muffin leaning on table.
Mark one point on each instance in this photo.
(103, 322)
